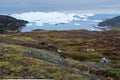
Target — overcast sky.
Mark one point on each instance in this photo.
(82, 6)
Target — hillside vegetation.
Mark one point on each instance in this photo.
(60, 55)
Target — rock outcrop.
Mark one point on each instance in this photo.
(10, 23)
(110, 23)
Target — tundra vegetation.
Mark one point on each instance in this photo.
(35, 55)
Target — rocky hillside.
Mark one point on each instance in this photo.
(60, 55)
(111, 23)
(10, 23)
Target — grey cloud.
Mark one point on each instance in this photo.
(59, 5)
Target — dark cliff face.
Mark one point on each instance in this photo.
(111, 23)
(10, 23)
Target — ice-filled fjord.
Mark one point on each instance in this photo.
(60, 20)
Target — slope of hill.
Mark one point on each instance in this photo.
(60, 55)
(10, 23)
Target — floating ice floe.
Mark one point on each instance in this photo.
(76, 24)
(52, 18)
